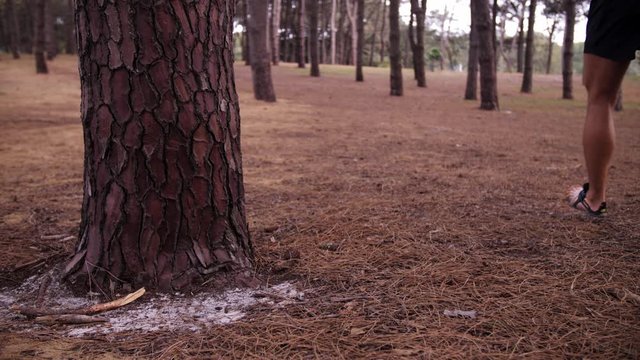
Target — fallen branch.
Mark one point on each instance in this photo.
(42, 291)
(93, 309)
(69, 319)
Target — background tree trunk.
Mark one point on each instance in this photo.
(275, 31)
(520, 54)
(550, 45)
(49, 31)
(360, 40)
(395, 54)
(313, 38)
(382, 37)
(258, 11)
(69, 26)
(567, 49)
(300, 50)
(471, 92)
(26, 17)
(486, 57)
(352, 8)
(12, 28)
(527, 76)
(372, 45)
(39, 43)
(246, 46)
(333, 31)
(419, 11)
(163, 193)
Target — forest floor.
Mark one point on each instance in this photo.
(397, 209)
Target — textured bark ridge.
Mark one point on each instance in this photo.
(163, 193)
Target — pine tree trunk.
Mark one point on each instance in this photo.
(26, 18)
(49, 31)
(12, 28)
(246, 45)
(471, 92)
(527, 76)
(333, 31)
(39, 41)
(382, 37)
(486, 56)
(163, 192)
(313, 37)
(275, 31)
(287, 32)
(70, 37)
(550, 45)
(520, 54)
(419, 11)
(372, 45)
(258, 12)
(567, 49)
(395, 54)
(300, 50)
(360, 40)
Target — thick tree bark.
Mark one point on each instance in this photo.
(313, 37)
(300, 50)
(275, 31)
(567, 49)
(39, 43)
(70, 36)
(382, 37)
(418, 11)
(486, 57)
(12, 28)
(360, 40)
(527, 76)
(260, 58)
(395, 54)
(471, 92)
(163, 193)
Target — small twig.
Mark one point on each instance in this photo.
(69, 319)
(42, 291)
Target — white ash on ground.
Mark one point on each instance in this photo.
(150, 313)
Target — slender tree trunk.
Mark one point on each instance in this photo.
(38, 48)
(360, 40)
(163, 192)
(419, 11)
(313, 37)
(471, 92)
(527, 78)
(275, 31)
(382, 37)
(300, 45)
(49, 31)
(70, 36)
(12, 28)
(567, 49)
(520, 54)
(550, 45)
(246, 46)
(333, 31)
(352, 9)
(26, 19)
(260, 58)
(395, 54)
(372, 45)
(486, 57)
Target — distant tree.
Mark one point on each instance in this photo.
(553, 10)
(418, 12)
(163, 199)
(360, 39)
(333, 31)
(276, 9)
(12, 28)
(527, 77)
(39, 41)
(352, 8)
(395, 54)
(260, 57)
(372, 45)
(382, 37)
(434, 56)
(313, 37)
(51, 43)
(517, 10)
(300, 49)
(246, 48)
(567, 48)
(471, 92)
(70, 37)
(488, 79)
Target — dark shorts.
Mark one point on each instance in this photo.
(613, 29)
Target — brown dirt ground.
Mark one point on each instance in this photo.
(400, 208)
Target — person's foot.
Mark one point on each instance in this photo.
(577, 198)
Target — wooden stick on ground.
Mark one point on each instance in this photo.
(93, 309)
(69, 319)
